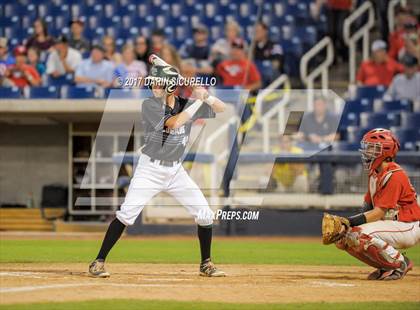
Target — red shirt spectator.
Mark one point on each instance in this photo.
(340, 4)
(22, 74)
(238, 70)
(380, 69)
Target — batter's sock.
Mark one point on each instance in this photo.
(204, 235)
(112, 235)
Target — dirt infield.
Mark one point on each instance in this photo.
(37, 282)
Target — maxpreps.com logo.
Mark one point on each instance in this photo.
(228, 215)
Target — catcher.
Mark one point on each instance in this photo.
(390, 217)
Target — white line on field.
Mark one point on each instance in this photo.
(35, 275)
(331, 284)
(55, 286)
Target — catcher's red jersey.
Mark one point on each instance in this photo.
(391, 189)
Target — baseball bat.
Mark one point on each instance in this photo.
(157, 61)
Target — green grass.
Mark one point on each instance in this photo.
(175, 305)
(181, 251)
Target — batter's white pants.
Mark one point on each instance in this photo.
(399, 235)
(151, 178)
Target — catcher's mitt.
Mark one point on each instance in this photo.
(331, 228)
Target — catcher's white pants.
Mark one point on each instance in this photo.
(399, 235)
(151, 178)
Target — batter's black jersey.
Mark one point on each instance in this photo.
(161, 142)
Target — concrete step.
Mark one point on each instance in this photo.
(61, 226)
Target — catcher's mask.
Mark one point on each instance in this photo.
(376, 146)
(163, 76)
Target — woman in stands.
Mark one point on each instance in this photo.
(40, 39)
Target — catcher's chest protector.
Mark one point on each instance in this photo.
(377, 183)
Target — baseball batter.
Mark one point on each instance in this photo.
(167, 120)
(391, 217)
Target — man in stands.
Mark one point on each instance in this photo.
(317, 127)
(76, 40)
(268, 56)
(406, 36)
(64, 59)
(95, 71)
(406, 85)
(380, 69)
(158, 40)
(198, 50)
(21, 74)
(238, 70)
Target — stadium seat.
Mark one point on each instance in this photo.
(410, 120)
(370, 92)
(343, 146)
(358, 106)
(12, 21)
(122, 93)
(10, 93)
(407, 137)
(60, 81)
(355, 134)
(47, 92)
(393, 106)
(382, 120)
(75, 92)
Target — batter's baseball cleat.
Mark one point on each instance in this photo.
(208, 269)
(97, 269)
(399, 273)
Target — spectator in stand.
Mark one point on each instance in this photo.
(198, 50)
(188, 70)
(33, 60)
(111, 54)
(63, 59)
(169, 54)
(129, 67)
(40, 39)
(380, 69)
(406, 85)
(158, 40)
(96, 70)
(221, 48)
(289, 177)
(142, 49)
(268, 56)
(76, 39)
(21, 74)
(318, 127)
(337, 11)
(238, 70)
(405, 31)
(5, 57)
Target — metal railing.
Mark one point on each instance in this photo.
(361, 33)
(278, 109)
(320, 70)
(391, 12)
(230, 126)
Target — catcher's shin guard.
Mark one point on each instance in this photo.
(372, 251)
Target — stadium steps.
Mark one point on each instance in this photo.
(61, 226)
(27, 219)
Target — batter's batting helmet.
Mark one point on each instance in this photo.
(165, 76)
(376, 146)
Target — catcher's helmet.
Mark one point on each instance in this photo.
(376, 146)
(165, 76)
